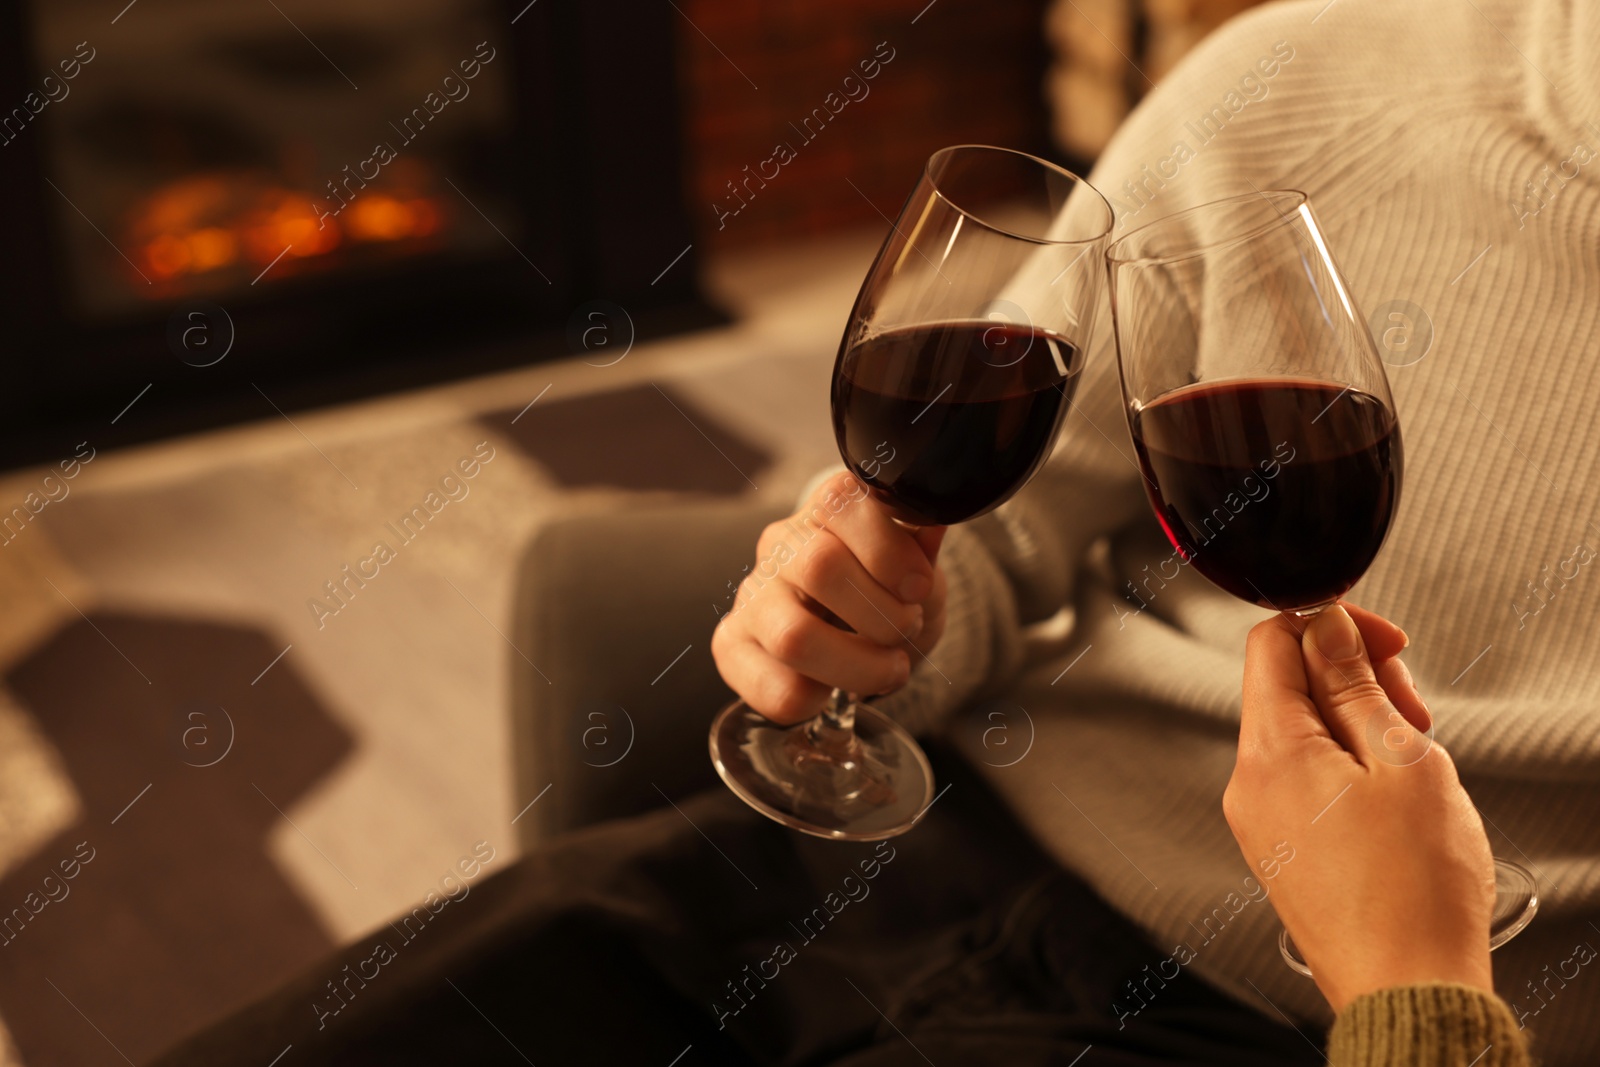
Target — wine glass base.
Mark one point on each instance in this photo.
(1516, 902)
(873, 785)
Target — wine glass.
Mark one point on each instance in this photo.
(1263, 423)
(957, 366)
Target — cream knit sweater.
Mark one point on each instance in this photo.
(1415, 126)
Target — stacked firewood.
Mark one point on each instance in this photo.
(1109, 53)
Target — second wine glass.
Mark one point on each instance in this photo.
(1263, 422)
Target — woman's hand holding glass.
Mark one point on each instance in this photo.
(844, 555)
(1392, 881)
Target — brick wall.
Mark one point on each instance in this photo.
(966, 71)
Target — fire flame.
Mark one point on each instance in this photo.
(206, 223)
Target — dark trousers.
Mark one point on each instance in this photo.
(704, 934)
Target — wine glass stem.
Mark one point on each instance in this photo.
(838, 714)
(837, 723)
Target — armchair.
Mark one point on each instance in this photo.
(613, 687)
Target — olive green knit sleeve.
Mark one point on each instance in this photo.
(1439, 1025)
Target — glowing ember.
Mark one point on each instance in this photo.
(285, 220)
(387, 218)
(206, 223)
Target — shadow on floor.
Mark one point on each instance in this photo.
(174, 914)
(641, 438)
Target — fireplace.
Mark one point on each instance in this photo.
(217, 209)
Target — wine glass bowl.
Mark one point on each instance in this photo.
(965, 345)
(1257, 400)
(955, 371)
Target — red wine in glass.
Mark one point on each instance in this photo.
(945, 421)
(1278, 490)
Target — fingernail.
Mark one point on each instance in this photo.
(915, 588)
(902, 669)
(917, 619)
(1333, 633)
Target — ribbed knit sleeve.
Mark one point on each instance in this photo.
(1443, 1025)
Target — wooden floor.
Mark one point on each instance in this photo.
(259, 779)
